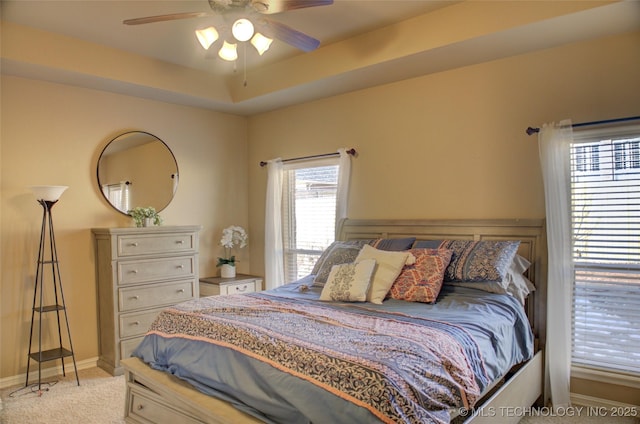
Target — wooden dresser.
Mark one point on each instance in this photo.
(139, 272)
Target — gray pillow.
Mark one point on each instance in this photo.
(339, 253)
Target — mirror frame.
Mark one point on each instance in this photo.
(122, 138)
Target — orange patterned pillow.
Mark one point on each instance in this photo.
(422, 281)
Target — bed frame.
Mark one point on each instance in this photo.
(157, 397)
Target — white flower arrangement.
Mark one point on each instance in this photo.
(232, 237)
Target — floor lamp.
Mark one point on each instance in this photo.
(47, 196)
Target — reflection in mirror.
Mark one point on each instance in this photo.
(137, 169)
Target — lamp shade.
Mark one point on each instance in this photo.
(207, 37)
(228, 52)
(261, 43)
(48, 192)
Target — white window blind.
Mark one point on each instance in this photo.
(605, 197)
(308, 214)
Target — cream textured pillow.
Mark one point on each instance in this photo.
(349, 282)
(390, 265)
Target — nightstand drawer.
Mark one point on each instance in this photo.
(241, 283)
(238, 288)
(149, 296)
(132, 272)
(133, 245)
(138, 323)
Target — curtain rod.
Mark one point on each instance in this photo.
(351, 151)
(531, 131)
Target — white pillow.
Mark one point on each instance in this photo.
(349, 282)
(390, 265)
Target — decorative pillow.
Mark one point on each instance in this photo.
(399, 244)
(349, 282)
(389, 266)
(393, 245)
(427, 244)
(479, 261)
(514, 283)
(422, 281)
(327, 251)
(341, 253)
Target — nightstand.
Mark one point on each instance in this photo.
(241, 283)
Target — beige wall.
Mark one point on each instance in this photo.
(452, 144)
(53, 134)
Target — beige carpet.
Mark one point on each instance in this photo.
(100, 400)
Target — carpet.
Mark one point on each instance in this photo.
(98, 400)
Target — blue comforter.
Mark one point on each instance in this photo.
(285, 357)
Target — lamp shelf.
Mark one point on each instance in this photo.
(48, 308)
(51, 354)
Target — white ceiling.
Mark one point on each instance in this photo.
(175, 42)
(100, 22)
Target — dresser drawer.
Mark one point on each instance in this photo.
(137, 323)
(151, 244)
(144, 270)
(128, 346)
(238, 288)
(152, 295)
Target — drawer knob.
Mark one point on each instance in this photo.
(180, 241)
(180, 266)
(241, 288)
(181, 291)
(135, 297)
(135, 323)
(140, 407)
(134, 271)
(134, 244)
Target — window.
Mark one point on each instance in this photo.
(308, 214)
(605, 207)
(118, 195)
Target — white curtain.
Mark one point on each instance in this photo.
(554, 145)
(342, 197)
(273, 247)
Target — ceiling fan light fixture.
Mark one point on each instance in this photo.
(242, 29)
(228, 52)
(261, 43)
(207, 37)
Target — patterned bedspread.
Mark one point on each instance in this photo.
(393, 366)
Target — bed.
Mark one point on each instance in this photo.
(249, 358)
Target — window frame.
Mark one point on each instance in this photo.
(287, 225)
(584, 167)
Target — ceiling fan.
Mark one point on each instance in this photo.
(243, 8)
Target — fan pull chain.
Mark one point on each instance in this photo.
(244, 53)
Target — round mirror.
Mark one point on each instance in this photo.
(137, 169)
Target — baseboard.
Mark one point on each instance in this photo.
(46, 373)
(584, 400)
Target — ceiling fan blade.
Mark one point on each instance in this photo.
(269, 7)
(291, 36)
(162, 18)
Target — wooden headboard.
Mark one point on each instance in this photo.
(530, 232)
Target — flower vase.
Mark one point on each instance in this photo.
(148, 222)
(227, 271)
